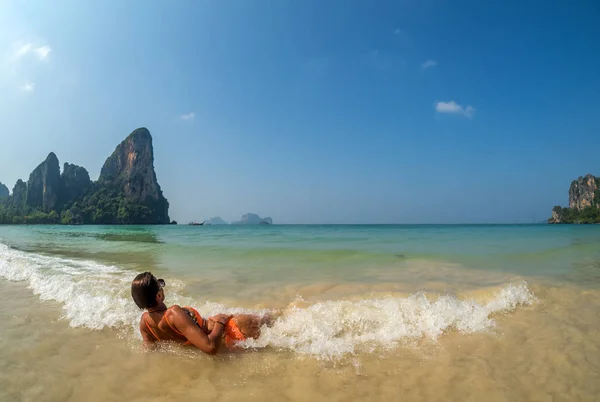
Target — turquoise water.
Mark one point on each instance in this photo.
(286, 251)
(422, 279)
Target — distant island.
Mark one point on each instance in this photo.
(247, 219)
(584, 202)
(215, 221)
(126, 192)
(253, 219)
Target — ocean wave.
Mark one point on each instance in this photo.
(97, 296)
(335, 328)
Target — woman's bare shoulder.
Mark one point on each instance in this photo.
(175, 310)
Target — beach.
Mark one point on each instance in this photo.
(364, 312)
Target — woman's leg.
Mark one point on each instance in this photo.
(250, 324)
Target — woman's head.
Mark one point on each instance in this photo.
(146, 290)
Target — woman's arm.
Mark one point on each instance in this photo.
(149, 341)
(207, 343)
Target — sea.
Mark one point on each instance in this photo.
(362, 312)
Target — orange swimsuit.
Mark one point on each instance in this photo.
(231, 331)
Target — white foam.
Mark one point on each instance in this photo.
(335, 328)
(93, 294)
(96, 296)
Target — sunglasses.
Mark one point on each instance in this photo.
(161, 283)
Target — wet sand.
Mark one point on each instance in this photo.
(466, 314)
(547, 351)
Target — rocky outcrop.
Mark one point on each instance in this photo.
(3, 190)
(253, 219)
(556, 215)
(44, 184)
(584, 202)
(127, 191)
(131, 168)
(74, 183)
(19, 193)
(582, 191)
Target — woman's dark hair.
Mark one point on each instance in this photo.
(144, 289)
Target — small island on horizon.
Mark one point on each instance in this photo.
(246, 219)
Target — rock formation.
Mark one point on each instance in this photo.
(266, 221)
(253, 219)
(19, 193)
(584, 202)
(74, 183)
(3, 190)
(43, 184)
(127, 191)
(556, 215)
(581, 192)
(131, 168)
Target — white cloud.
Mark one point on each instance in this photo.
(428, 64)
(189, 116)
(454, 108)
(28, 87)
(43, 51)
(23, 49)
(20, 63)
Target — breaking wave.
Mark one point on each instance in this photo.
(97, 296)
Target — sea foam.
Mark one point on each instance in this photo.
(97, 296)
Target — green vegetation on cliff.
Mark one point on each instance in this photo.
(129, 195)
(584, 203)
(569, 215)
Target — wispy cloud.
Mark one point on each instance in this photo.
(397, 31)
(43, 52)
(22, 60)
(28, 87)
(428, 64)
(452, 107)
(189, 116)
(23, 49)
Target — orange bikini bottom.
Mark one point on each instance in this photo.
(231, 333)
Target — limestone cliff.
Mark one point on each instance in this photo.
(3, 190)
(556, 215)
(74, 183)
(127, 191)
(581, 192)
(131, 168)
(43, 185)
(584, 202)
(19, 193)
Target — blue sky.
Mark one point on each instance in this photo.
(314, 111)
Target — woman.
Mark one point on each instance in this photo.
(184, 324)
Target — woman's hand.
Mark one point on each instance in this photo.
(220, 318)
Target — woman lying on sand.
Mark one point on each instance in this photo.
(184, 324)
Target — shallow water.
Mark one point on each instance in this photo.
(365, 312)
